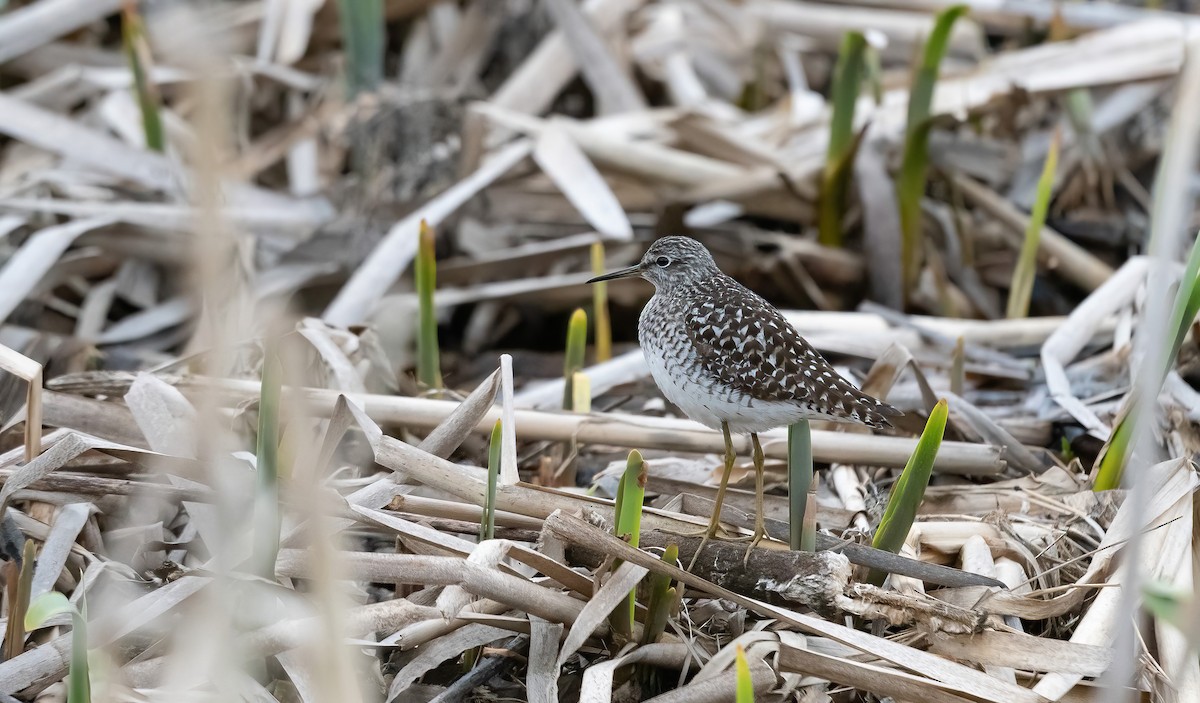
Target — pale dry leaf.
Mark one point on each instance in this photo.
(165, 417)
(441, 649)
(542, 680)
(612, 594)
(33, 260)
(57, 547)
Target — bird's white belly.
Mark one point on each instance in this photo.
(685, 384)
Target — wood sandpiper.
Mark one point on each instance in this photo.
(730, 361)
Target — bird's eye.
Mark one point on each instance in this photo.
(663, 261)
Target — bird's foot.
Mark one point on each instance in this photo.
(703, 543)
(760, 532)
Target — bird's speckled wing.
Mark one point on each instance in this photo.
(747, 345)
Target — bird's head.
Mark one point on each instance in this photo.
(669, 262)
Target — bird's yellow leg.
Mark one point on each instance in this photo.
(715, 521)
(760, 523)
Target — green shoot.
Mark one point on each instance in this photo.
(662, 598)
(1066, 452)
(1112, 464)
(847, 78)
(267, 517)
(873, 73)
(631, 493)
(745, 685)
(45, 607)
(39, 612)
(14, 634)
(1183, 312)
(429, 370)
(602, 323)
(801, 527)
(79, 684)
(909, 490)
(573, 359)
(1187, 305)
(137, 52)
(487, 528)
(363, 37)
(910, 183)
(1021, 289)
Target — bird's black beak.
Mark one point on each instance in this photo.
(621, 273)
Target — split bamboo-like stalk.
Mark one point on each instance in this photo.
(627, 430)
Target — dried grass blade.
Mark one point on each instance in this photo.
(881, 221)
(25, 28)
(57, 547)
(26, 268)
(610, 596)
(169, 313)
(344, 374)
(1066, 342)
(573, 173)
(29, 371)
(542, 680)
(163, 414)
(882, 681)
(598, 678)
(443, 543)
(552, 65)
(441, 649)
(613, 89)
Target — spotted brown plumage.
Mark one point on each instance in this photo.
(723, 354)
(729, 360)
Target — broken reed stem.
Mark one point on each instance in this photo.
(621, 430)
(427, 571)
